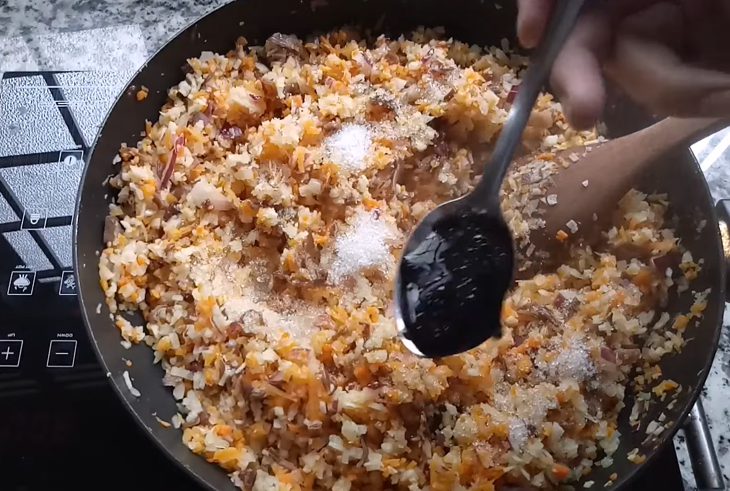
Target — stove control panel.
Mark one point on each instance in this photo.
(48, 122)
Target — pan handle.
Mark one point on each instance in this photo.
(702, 456)
(723, 222)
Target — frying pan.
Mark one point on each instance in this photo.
(473, 21)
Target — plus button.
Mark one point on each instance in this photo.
(10, 352)
(7, 353)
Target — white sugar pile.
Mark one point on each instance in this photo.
(364, 246)
(524, 408)
(349, 147)
(573, 362)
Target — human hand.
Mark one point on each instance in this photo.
(671, 57)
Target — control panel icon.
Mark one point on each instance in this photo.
(61, 353)
(10, 351)
(69, 159)
(34, 218)
(68, 283)
(21, 283)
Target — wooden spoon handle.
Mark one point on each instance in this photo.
(651, 143)
(588, 190)
(606, 172)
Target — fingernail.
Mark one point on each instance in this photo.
(578, 119)
(528, 41)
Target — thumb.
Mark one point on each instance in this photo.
(532, 19)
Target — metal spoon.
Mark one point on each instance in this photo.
(458, 263)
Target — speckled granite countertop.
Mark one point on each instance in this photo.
(90, 34)
(119, 35)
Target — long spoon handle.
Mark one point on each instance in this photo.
(561, 25)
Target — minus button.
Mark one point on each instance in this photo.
(61, 353)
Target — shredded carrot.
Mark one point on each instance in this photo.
(561, 472)
(326, 356)
(315, 393)
(664, 387)
(363, 374)
(321, 240)
(227, 458)
(224, 430)
(370, 203)
(308, 482)
(644, 279)
(142, 93)
(698, 308)
(373, 315)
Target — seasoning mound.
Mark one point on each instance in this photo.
(364, 246)
(349, 147)
(256, 228)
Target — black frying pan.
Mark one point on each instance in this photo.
(474, 21)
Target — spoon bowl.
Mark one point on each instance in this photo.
(454, 274)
